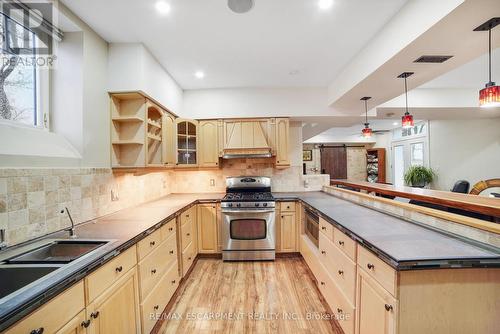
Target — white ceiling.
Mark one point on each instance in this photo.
(257, 49)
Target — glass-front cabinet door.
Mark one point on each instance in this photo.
(187, 131)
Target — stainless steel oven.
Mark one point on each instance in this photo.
(312, 226)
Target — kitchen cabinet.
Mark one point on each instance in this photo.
(247, 134)
(282, 142)
(116, 311)
(187, 143)
(288, 229)
(376, 307)
(168, 140)
(209, 143)
(207, 228)
(75, 326)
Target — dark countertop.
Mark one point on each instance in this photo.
(401, 244)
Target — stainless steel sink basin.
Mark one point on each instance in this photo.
(59, 251)
(15, 277)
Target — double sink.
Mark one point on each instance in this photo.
(22, 269)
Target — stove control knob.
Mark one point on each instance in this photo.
(230, 204)
(238, 205)
(265, 204)
(256, 204)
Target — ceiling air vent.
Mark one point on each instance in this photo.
(432, 59)
(240, 6)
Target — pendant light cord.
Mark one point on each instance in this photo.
(406, 96)
(489, 52)
(366, 112)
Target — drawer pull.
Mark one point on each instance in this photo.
(323, 252)
(156, 307)
(94, 315)
(341, 243)
(38, 331)
(288, 207)
(187, 216)
(85, 323)
(152, 243)
(119, 269)
(323, 228)
(188, 234)
(341, 272)
(173, 282)
(189, 258)
(339, 310)
(171, 252)
(370, 266)
(322, 283)
(153, 271)
(388, 307)
(170, 229)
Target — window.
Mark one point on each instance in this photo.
(18, 78)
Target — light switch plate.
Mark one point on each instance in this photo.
(212, 182)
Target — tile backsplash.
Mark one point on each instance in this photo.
(31, 200)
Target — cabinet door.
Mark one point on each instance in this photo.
(186, 143)
(116, 310)
(207, 228)
(288, 230)
(282, 142)
(208, 150)
(168, 142)
(76, 325)
(376, 310)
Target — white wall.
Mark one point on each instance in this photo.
(255, 102)
(464, 150)
(132, 67)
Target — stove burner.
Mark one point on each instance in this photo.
(248, 197)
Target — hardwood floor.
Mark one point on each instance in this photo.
(249, 297)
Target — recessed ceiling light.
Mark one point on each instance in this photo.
(325, 4)
(162, 7)
(199, 74)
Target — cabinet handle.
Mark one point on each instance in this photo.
(189, 258)
(282, 216)
(341, 272)
(388, 307)
(38, 331)
(170, 229)
(153, 271)
(119, 269)
(171, 252)
(339, 310)
(323, 228)
(152, 243)
(173, 282)
(323, 252)
(188, 234)
(85, 323)
(341, 243)
(288, 207)
(322, 283)
(370, 266)
(187, 216)
(94, 315)
(156, 307)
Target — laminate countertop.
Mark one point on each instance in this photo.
(400, 243)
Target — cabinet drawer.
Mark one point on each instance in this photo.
(154, 266)
(326, 228)
(343, 310)
(98, 281)
(378, 269)
(156, 302)
(53, 315)
(186, 234)
(188, 216)
(187, 258)
(168, 229)
(310, 254)
(287, 206)
(148, 244)
(346, 244)
(340, 268)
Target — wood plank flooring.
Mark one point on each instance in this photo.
(249, 297)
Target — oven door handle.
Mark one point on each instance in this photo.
(248, 211)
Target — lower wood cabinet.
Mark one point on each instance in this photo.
(207, 228)
(288, 231)
(75, 325)
(116, 311)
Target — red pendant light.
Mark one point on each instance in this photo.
(367, 131)
(490, 95)
(407, 119)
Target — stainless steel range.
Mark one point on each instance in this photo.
(248, 219)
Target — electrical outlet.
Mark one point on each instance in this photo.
(212, 182)
(114, 196)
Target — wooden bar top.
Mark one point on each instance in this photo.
(474, 203)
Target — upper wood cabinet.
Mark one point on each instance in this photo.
(187, 142)
(247, 134)
(282, 142)
(208, 143)
(168, 130)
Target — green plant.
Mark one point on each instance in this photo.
(419, 176)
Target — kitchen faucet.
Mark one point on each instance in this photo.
(72, 228)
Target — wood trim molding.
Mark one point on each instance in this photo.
(483, 205)
(483, 185)
(455, 218)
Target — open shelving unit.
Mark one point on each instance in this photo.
(375, 165)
